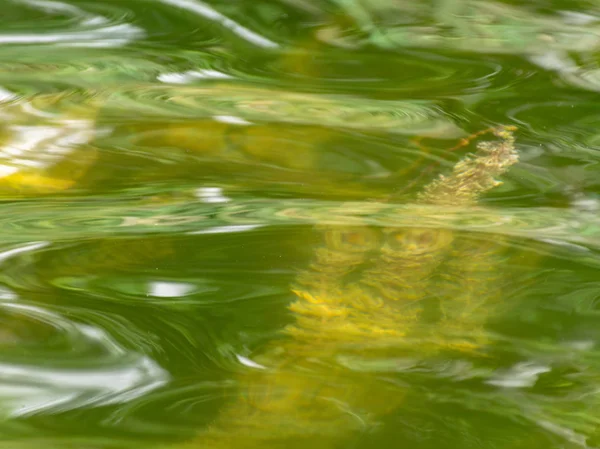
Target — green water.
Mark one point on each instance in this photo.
(176, 174)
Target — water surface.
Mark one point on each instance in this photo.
(178, 176)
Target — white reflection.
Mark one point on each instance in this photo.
(55, 7)
(554, 61)
(6, 170)
(26, 390)
(36, 148)
(578, 18)
(565, 244)
(98, 34)
(211, 195)
(208, 13)
(249, 363)
(105, 372)
(6, 95)
(227, 229)
(231, 119)
(103, 37)
(164, 289)
(7, 294)
(521, 375)
(22, 249)
(564, 432)
(586, 204)
(581, 345)
(191, 75)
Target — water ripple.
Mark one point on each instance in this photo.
(80, 220)
(418, 117)
(474, 26)
(43, 149)
(87, 366)
(207, 12)
(136, 309)
(60, 70)
(78, 27)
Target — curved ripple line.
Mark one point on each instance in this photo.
(585, 76)
(88, 369)
(91, 30)
(4, 255)
(78, 220)
(420, 73)
(64, 69)
(205, 11)
(46, 145)
(418, 117)
(465, 26)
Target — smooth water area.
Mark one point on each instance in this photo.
(223, 224)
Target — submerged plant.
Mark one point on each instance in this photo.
(362, 299)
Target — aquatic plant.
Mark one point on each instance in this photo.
(362, 298)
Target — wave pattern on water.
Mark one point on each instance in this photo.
(84, 366)
(77, 26)
(181, 179)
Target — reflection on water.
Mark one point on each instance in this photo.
(363, 298)
(256, 223)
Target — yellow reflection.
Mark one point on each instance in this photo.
(362, 297)
(291, 147)
(45, 147)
